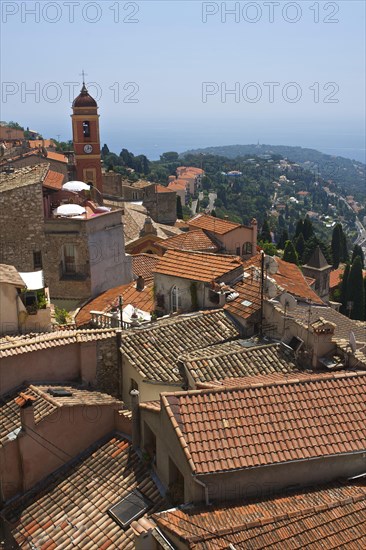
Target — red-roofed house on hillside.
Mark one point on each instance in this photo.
(232, 237)
(187, 281)
(219, 445)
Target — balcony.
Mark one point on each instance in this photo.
(74, 272)
(99, 319)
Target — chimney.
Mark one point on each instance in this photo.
(135, 402)
(140, 283)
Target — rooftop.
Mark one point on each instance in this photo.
(270, 423)
(332, 516)
(9, 275)
(133, 221)
(44, 403)
(248, 301)
(232, 360)
(144, 265)
(198, 266)
(69, 509)
(53, 180)
(154, 351)
(317, 260)
(28, 175)
(108, 300)
(17, 345)
(212, 224)
(191, 240)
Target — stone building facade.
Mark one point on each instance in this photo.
(161, 203)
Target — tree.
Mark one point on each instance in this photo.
(265, 235)
(170, 156)
(198, 206)
(308, 230)
(268, 248)
(179, 208)
(284, 237)
(127, 158)
(299, 228)
(290, 254)
(105, 150)
(344, 254)
(357, 251)
(356, 290)
(300, 245)
(213, 213)
(336, 245)
(343, 289)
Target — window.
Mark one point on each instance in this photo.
(247, 248)
(131, 507)
(86, 128)
(37, 260)
(238, 250)
(69, 258)
(133, 385)
(175, 299)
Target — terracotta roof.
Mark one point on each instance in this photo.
(191, 240)
(107, 300)
(10, 276)
(28, 175)
(84, 99)
(233, 360)
(154, 351)
(210, 223)
(177, 184)
(289, 278)
(57, 156)
(222, 430)
(53, 180)
(144, 265)
(331, 516)
(249, 300)
(16, 345)
(69, 509)
(198, 266)
(335, 277)
(162, 189)
(44, 403)
(35, 143)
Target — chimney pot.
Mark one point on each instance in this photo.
(140, 283)
(135, 401)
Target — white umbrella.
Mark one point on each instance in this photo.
(69, 210)
(76, 186)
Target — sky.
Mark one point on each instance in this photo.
(173, 75)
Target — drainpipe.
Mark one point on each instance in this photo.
(207, 498)
(135, 402)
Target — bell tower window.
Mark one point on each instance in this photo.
(86, 128)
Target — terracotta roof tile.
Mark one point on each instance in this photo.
(105, 302)
(57, 156)
(197, 266)
(191, 240)
(10, 276)
(332, 516)
(248, 301)
(16, 345)
(22, 177)
(334, 401)
(212, 224)
(69, 509)
(53, 180)
(45, 404)
(233, 359)
(144, 265)
(162, 189)
(154, 350)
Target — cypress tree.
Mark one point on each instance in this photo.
(290, 254)
(300, 245)
(336, 245)
(299, 228)
(343, 289)
(357, 251)
(356, 290)
(283, 239)
(179, 208)
(265, 235)
(308, 230)
(344, 255)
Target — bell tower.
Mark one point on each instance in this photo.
(85, 135)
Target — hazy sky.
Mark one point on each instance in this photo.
(163, 70)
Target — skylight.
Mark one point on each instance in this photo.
(246, 303)
(128, 509)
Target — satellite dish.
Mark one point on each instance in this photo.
(287, 301)
(270, 265)
(352, 341)
(270, 289)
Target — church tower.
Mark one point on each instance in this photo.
(85, 134)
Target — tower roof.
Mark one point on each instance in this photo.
(84, 99)
(317, 259)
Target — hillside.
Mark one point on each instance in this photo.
(349, 175)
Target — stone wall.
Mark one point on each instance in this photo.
(108, 366)
(21, 228)
(162, 207)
